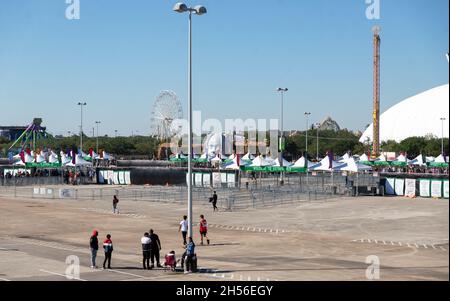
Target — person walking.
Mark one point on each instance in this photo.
(203, 229)
(108, 248)
(155, 247)
(93, 245)
(146, 249)
(214, 201)
(184, 229)
(115, 205)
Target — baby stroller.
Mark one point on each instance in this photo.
(170, 261)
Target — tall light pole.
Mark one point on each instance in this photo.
(307, 114)
(281, 148)
(442, 135)
(198, 10)
(97, 123)
(81, 104)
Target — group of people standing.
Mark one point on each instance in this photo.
(151, 247)
(151, 244)
(107, 247)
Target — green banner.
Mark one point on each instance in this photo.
(43, 165)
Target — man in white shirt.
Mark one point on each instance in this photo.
(184, 229)
(146, 250)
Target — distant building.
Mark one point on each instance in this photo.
(329, 124)
(417, 116)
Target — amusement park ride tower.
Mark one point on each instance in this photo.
(376, 91)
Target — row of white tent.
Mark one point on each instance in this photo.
(345, 163)
(81, 159)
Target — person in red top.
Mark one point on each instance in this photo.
(203, 229)
(108, 248)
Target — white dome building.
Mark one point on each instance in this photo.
(418, 116)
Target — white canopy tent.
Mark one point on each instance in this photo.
(364, 158)
(326, 165)
(352, 166)
(234, 164)
(285, 162)
(260, 162)
(53, 158)
(248, 157)
(418, 161)
(344, 158)
(302, 163)
(440, 159)
(216, 159)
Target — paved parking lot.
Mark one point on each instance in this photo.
(327, 240)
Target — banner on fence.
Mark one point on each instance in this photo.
(231, 180)
(101, 177)
(217, 179)
(424, 188)
(110, 177)
(390, 184)
(436, 189)
(198, 179)
(66, 193)
(410, 188)
(400, 187)
(127, 175)
(445, 189)
(224, 177)
(206, 180)
(121, 177)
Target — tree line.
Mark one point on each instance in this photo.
(338, 142)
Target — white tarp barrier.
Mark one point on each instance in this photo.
(217, 179)
(410, 188)
(127, 178)
(445, 189)
(101, 177)
(206, 180)
(424, 188)
(66, 193)
(187, 178)
(436, 189)
(224, 177)
(390, 184)
(198, 179)
(400, 187)
(116, 178)
(121, 178)
(110, 177)
(231, 180)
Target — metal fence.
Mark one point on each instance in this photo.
(229, 198)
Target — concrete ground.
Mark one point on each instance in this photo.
(327, 240)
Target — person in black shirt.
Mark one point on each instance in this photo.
(155, 247)
(93, 245)
(214, 202)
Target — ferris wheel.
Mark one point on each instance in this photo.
(166, 109)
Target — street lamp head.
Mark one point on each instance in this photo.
(376, 30)
(200, 10)
(282, 89)
(180, 8)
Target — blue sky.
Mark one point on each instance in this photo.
(120, 54)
